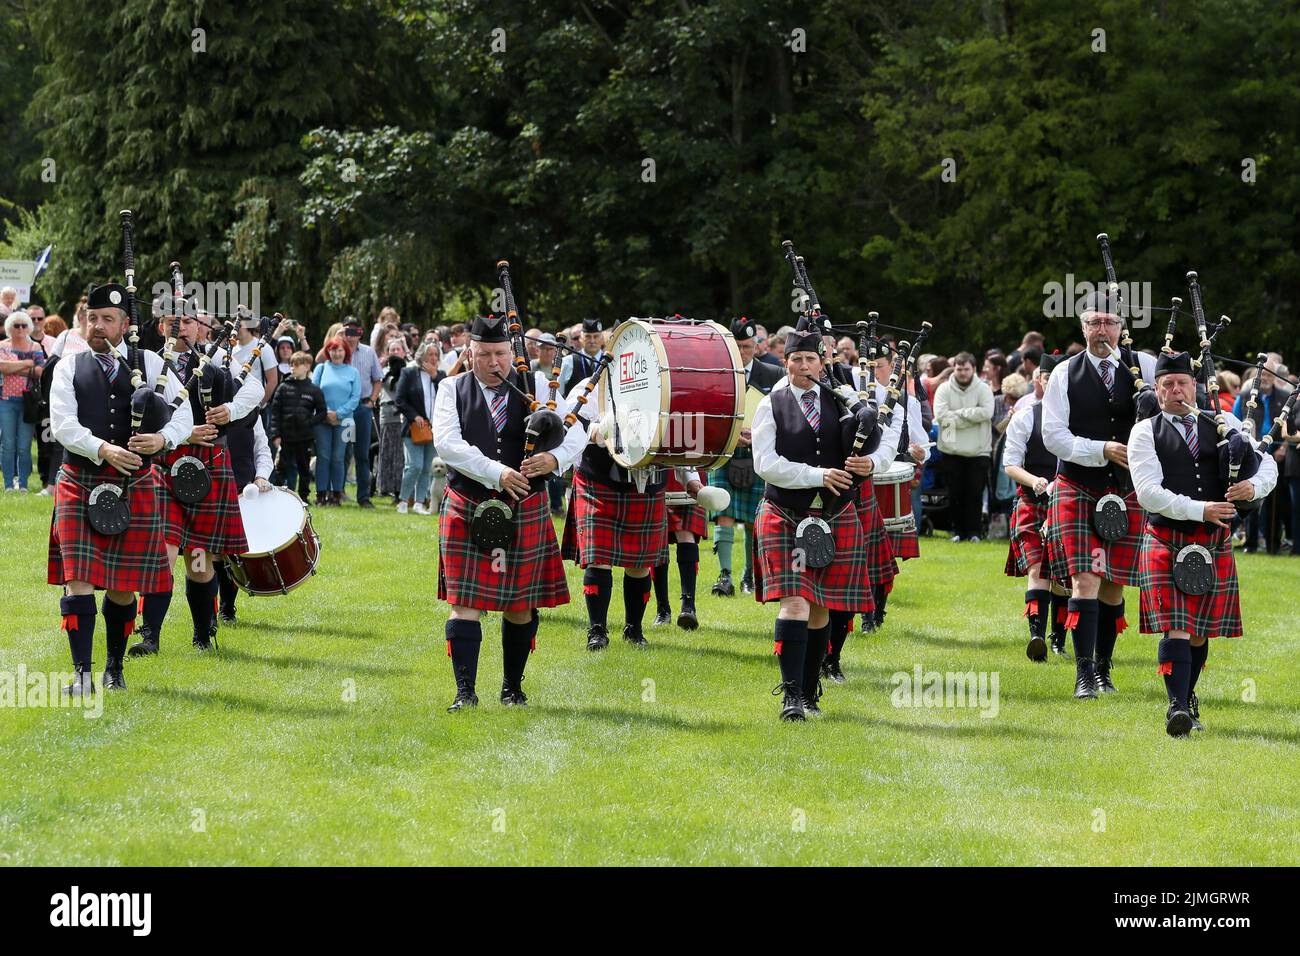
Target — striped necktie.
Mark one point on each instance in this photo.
(499, 399)
(1108, 376)
(1189, 432)
(108, 362)
(811, 411)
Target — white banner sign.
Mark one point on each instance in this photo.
(19, 273)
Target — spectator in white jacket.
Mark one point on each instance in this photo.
(963, 407)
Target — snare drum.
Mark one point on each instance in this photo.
(677, 390)
(894, 495)
(283, 548)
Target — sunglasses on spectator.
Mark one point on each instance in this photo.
(20, 325)
(354, 332)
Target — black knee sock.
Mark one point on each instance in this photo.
(791, 649)
(688, 566)
(597, 584)
(1037, 608)
(1060, 608)
(661, 584)
(201, 597)
(119, 621)
(78, 612)
(818, 639)
(516, 644)
(881, 596)
(1083, 616)
(1176, 666)
(153, 609)
(636, 595)
(229, 591)
(1110, 618)
(463, 641)
(1199, 656)
(841, 624)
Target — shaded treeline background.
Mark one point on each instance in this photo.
(352, 154)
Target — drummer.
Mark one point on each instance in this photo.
(906, 436)
(686, 526)
(252, 466)
(737, 475)
(613, 523)
(811, 567)
(211, 526)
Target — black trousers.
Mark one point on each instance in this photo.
(966, 479)
(295, 462)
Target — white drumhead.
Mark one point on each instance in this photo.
(896, 473)
(634, 389)
(271, 520)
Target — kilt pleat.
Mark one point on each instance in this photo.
(688, 519)
(905, 544)
(1073, 545)
(135, 560)
(1165, 608)
(1026, 546)
(843, 585)
(526, 575)
(621, 528)
(881, 566)
(214, 524)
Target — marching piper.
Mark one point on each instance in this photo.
(1094, 522)
(496, 546)
(737, 476)
(107, 531)
(199, 496)
(1032, 467)
(810, 558)
(1188, 573)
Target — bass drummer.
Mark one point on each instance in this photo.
(252, 462)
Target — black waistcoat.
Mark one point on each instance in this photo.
(104, 409)
(1097, 415)
(506, 446)
(599, 465)
(1197, 478)
(581, 367)
(795, 440)
(1039, 462)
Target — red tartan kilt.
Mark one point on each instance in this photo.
(690, 519)
(621, 528)
(905, 545)
(1165, 608)
(526, 575)
(1026, 546)
(135, 560)
(1073, 545)
(843, 585)
(214, 524)
(881, 567)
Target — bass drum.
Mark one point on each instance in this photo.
(283, 548)
(677, 392)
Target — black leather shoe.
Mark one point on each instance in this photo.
(632, 634)
(225, 617)
(83, 684)
(810, 699)
(148, 643)
(1036, 649)
(1085, 679)
(202, 643)
(747, 583)
(663, 616)
(831, 670)
(1194, 710)
(868, 624)
(687, 620)
(512, 695)
(465, 697)
(1178, 723)
(1058, 644)
(792, 702)
(1104, 684)
(597, 638)
(723, 586)
(366, 504)
(113, 679)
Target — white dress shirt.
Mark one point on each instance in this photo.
(1060, 441)
(916, 435)
(1018, 432)
(67, 429)
(770, 466)
(263, 462)
(1149, 477)
(250, 393)
(468, 460)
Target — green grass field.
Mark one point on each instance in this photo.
(317, 735)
